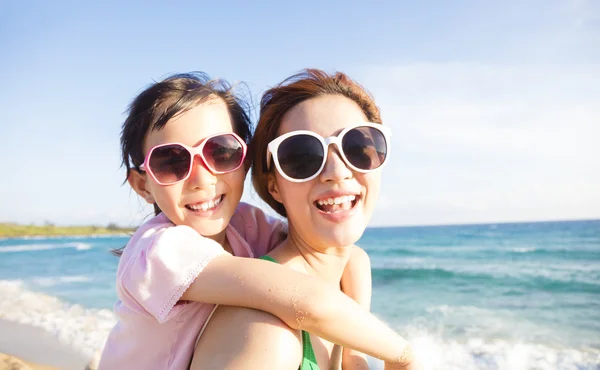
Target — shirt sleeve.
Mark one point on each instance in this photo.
(261, 231)
(165, 266)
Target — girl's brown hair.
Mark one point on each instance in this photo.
(164, 100)
(277, 101)
(161, 101)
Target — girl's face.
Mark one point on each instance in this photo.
(308, 204)
(192, 202)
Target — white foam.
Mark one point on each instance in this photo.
(51, 237)
(29, 248)
(524, 250)
(43, 247)
(481, 354)
(34, 237)
(56, 280)
(82, 328)
(82, 246)
(498, 341)
(87, 330)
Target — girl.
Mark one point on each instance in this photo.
(319, 148)
(184, 145)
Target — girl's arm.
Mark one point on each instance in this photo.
(302, 302)
(356, 283)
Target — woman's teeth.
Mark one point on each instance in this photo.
(205, 206)
(336, 204)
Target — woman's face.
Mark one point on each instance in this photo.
(309, 207)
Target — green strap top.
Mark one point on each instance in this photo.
(309, 361)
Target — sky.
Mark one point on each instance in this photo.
(494, 106)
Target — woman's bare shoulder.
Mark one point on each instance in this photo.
(237, 338)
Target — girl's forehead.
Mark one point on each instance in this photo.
(325, 115)
(194, 125)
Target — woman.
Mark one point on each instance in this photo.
(317, 156)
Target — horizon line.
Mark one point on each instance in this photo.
(467, 223)
(486, 223)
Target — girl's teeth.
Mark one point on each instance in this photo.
(206, 205)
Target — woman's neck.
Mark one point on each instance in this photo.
(328, 263)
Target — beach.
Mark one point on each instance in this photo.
(42, 329)
(45, 333)
(39, 348)
(492, 297)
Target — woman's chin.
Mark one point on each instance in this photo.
(342, 235)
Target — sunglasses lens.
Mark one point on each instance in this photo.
(300, 156)
(365, 147)
(223, 153)
(169, 163)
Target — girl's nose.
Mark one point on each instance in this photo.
(201, 177)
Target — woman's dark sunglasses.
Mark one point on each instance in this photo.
(301, 155)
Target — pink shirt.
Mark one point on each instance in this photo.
(155, 330)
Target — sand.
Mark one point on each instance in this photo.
(39, 349)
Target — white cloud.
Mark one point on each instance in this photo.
(486, 143)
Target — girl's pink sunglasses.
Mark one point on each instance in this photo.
(172, 162)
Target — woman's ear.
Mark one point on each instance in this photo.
(273, 188)
(137, 180)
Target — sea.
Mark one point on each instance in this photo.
(495, 296)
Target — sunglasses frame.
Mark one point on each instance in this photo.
(194, 151)
(335, 140)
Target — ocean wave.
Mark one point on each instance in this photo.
(82, 328)
(43, 247)
(524, 249)
(87, 329)
(81, 246)
(57, 280)
(480, 251)
(445, 338)
(483, 354)
(412, 273)
(393, 251)
(54, 237)
(572, 281)
(564, 252)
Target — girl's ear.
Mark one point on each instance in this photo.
(273, 188)
(137, 180)
(247, 165)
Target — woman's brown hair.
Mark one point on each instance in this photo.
(277, 101)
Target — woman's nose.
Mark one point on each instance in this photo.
(335, 168)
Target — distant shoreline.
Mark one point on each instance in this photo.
(53, 236)
(13, 231)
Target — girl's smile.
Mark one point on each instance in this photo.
(207, 207)
(203, 199)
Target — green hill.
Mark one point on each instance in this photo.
(16, 230)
